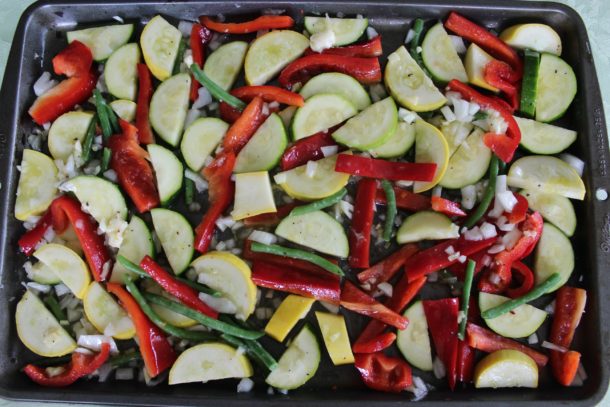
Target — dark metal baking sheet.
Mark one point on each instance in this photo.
(40, 35)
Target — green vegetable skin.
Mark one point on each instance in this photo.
(297, 254)
(321, 204)
(489, 194)
(530, 82)
(466, 298)
(391, 211)
(216, 91)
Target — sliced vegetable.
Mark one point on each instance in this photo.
(442, 317)
(320, 113)
(266, 22)
(340, 84)
(199, 38)
(297, 254)
(216, 91)
(253, 195)
(388, 267)
(383, 373)
(476, 61)
(554, 208)
(534, 36)
(200, 140)
(465, 304)
(334, 333)
(160, 42)
(105, 314)
(168, 107)
(265, 148)
(506, 368)
(268, 93)
(488, 196)
(440, 57)
(244, 128)
(413, 341)
(355, 300)
(398, 143)
(543, 138)
(426, 225)
(67, 265)
(469, 163)
(447, 206)
(145, 92)
(554, 255)
(176, 237)
(556, 88)
(430, 147)
(362, 223)
(390, 211)
(137, 243)
(529, 87)
(65, 131)
(392, 170)
(124, 109)
(224, 64)
(406, 200)
(37, 184)
(104, 40)
(370, 48)
(120, 71)
(318, 205)
(292, 309)
(345, 30)
(168, 172)
(520, 322)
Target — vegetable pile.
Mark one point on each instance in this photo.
(422, 193)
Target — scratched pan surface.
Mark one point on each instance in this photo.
(41, 34)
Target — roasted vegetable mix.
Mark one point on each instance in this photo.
(180, 217)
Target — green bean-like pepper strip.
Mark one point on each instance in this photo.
(113, 119)
(106, 156)
(321, 204)
(179, 57)
(466, 298)
(134, 268)
(487, 197)
(297, 254)
(120, 360)
(536, 292)
(156, 319)
(418, 29)
(102, 114)
(254, 349)
(203, 319)
(391, 211)
(189, 191)
(55, 309)
(88, 141)
(216, 91)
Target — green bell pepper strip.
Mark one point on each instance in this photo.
(466, 298)
(216, 91)
(88, 141)
(106, 156)
(102, 114)
(189, 191)
(297, 254)
(391, 211)
(487, 197)
(321, 204)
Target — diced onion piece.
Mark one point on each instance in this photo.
(371, 33)
(574, 162)
(245, 385)
(532, 339)
(439, 368)
(407, 116)
(458, 44)
(200, 184)
(44, 83)
(185, 28)
(310, 169)
(448, 113)
(488, 230)
(469, 197)
(262, 237)
(552, 346)
(322, 40)
(386, 288)
(328, 151)
(94, 343)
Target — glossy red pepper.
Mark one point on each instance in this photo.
(500, 75)
(81, 365)
(273, 218)
(446, 206)
(145, 91)
(383, 169)
(31, 238)
(569, 306)
(267, 93)
(130, 162)
(442, 317)
(362, 222)
(388, 267)
(358, 301)
(464, 362)
(498, 277)
(519, 212)
(526, 280)
(184, 293)
(484, 39)
(306, 149)
(157, 353)
(435, 258)
(321, 286)
(268, 22)
(369, 49)
(67, 211)
(280, 261)
(488, 341)
(406, 200)
(364, 70)
(383, 373)
(220, 190)
(372, 338)
(199, 38)
(504, 146)
(245, 126)
(74, 62)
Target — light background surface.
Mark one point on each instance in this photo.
(595, 13)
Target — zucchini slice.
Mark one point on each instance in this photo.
(102, 310)
(340, 84)
(37, 184)
(399, 142)
(440, 57)
(506, 368)
(319, 113)
(125, 109)
(160, 42)
(468, 164)
(67, 265)
(554, 254)
(346, 30)
(544, 138)
(65, 131)
(414, 341)
(225, 63)
(555, 208)
(101, 198)
(426, 225)
(265, 148)
(168, 107)
(120, 72)
(475, 62)
(534, 36)
(556, 88)
(176, 236)
(521, 322)
(200, 139)
(102, 41)
(137, 243)
(169, 172)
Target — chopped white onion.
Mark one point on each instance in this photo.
(332, 308)
(61, 289)
(104, 372)
(328, 151)
(507, 200)
(192, 115)
(552, 346)
(94, 343)
(224, 222)
(119, 19)
(496, 249)
(410, 35)
(404, 184)
(124, 373)
(550, 309)
(204, 98)
(245, 385)
(532, 339)
(280, 178)
(322, 40)
(418, 388)
(262, 237)
(41, 288)
(437, 191)
(439, 368)
(219, 304)
(111, 175)
(488, 230)
(310, 169)
(448, 113)
(386, 288)
(200, 184)
(450, 250)
(347, 208)
(458, 44)
(574, 162)
(473, 234)
(507, 227)
(185, 28)
(407, 116)
(469, 197)
(454, 256)
(371, 33)
(461, 110)
(511, 238)
(44, 83)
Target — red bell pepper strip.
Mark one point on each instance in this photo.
(459, 269)
(383, 373)
(67, 211)
(388, 267)
(267, 93)
(382, 169)
(526, 280)
(435, 258)
(364, 70)
(569, 306)
(406, 200)
(280, 261)
(220, 189)
(199, 38)
(483, 38)
(269, 22)
(504, 146)
(465, 362)
(271, 219)
(184, 293)
(157, 352)
(321, 286)
(358, 301)
(372, 338)
(519, 212)
(369, 49)
(245, 126)
(442, 317)
(498, 277)
(63, 97)
(74, 60)
(500, 75)
(488, 341)
(362, 222)
(446, 206)
(145, 91)
(135, 174)
(31, 239)
(81, 365)
(306, 149)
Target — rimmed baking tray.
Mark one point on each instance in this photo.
(41, 34)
